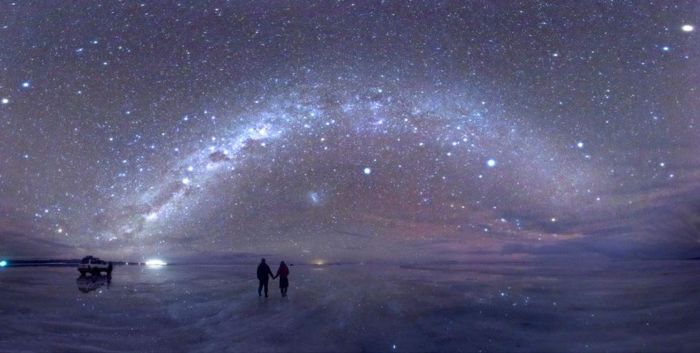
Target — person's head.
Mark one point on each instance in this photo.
(263, 260)
(282, 263)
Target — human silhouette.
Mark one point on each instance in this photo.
(264, 274)
(283, 273)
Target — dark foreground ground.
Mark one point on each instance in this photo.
(617, 306)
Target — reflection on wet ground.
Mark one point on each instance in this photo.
(611, 306)
(88, 284)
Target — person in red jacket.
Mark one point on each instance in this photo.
(283, 273)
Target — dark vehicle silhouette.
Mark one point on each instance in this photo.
(94, 266)
(88, 284)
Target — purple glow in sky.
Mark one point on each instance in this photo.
(337, 129)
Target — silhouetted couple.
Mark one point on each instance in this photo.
(264, 274)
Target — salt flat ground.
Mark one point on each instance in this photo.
(617, 306)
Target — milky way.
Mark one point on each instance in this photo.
(320, 129)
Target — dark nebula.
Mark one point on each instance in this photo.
(349, 130)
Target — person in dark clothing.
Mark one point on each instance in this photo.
(283, 273)
(264, 274)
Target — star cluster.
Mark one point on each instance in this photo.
(214, 126)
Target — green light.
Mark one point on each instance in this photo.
(3, 263)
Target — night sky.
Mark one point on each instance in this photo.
(344, 130)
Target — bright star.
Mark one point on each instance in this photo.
(5, 101)
(367, 171)
(579, 145)
(687, 28)
(491, 163)
(3, 263)
(25, 84)
(186, 181)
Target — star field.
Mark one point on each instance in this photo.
(212, 126)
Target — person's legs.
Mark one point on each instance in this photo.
(283, 286)
(265, 285)
(260, 287)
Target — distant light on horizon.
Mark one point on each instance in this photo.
(156, 263)
(3, 263)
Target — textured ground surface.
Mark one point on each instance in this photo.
(451, 306)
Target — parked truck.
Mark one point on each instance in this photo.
(94, 266)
